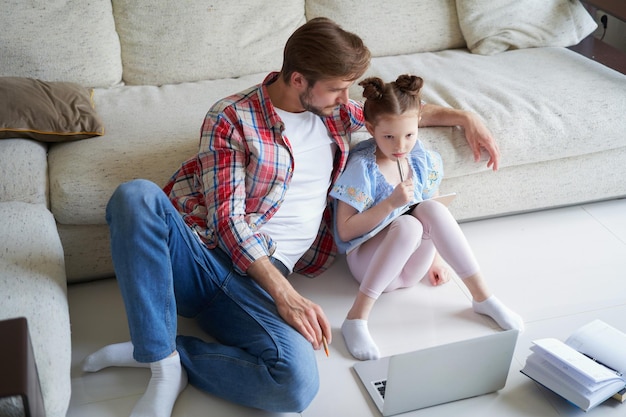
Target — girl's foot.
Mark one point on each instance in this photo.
(506, 318)
(358, 340)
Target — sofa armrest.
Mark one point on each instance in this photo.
(598, 50)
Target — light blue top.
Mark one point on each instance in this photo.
(362, 185)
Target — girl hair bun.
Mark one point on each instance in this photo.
(373, 88)
(409, 84)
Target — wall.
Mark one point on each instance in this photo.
(615, 32)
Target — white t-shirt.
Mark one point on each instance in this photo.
(295, 225)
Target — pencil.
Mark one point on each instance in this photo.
(325, 345)
(400, 170)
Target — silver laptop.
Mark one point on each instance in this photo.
(439, 374)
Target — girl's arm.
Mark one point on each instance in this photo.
(476, 133)
(352, 224)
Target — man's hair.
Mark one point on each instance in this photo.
(320, 49)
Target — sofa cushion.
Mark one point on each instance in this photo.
(517, 101)
(539, 186)
(494, 26)
(23, 171)
(32, 278)
(47, 111)
(77, 44)
(87, 252)
(166, 43)
(410, 25)
(150, 144)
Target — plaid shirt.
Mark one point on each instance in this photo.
(239, 178)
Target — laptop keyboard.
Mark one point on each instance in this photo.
(380, 387)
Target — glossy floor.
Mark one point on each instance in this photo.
(559, 269)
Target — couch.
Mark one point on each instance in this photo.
(144, 74)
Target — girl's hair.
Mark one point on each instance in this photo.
(321, 49)
(394, 98)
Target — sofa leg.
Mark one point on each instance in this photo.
(19, 377)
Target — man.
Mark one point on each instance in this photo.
(234, 222)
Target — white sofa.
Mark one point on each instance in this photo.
(156, 67)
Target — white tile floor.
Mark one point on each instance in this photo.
(558, 268)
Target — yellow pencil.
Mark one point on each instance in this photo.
(325, 345)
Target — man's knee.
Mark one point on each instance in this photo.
(298, 386)
(129, 196)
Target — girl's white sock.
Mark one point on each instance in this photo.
(118, 354)
(167, 381)
(506, 318)
(358, 339)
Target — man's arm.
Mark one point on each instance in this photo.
(302, 314)
(476, 133)
(224, 175)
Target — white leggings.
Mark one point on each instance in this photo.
(401, 254)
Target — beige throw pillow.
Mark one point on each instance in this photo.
(174, 42)
(493, 26)
(60, 40)
(395, 27)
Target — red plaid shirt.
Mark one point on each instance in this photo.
(239, 177)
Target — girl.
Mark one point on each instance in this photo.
(391, 241)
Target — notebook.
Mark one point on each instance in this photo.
(445, 199)
(438, 374)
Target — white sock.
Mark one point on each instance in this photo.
(358, 339)
(118, 354)
(167, 382)
(506, 318)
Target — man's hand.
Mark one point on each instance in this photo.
(301, 313)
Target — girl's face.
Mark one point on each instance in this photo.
(395, 135)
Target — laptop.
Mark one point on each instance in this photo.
(438, 374)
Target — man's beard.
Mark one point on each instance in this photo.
(305, 102)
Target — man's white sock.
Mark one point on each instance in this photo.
(118, 354)
(506, 318)
(167, 381)
(358, 339)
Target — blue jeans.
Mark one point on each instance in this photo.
(163, 270)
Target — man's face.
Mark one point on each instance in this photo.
(325, 95)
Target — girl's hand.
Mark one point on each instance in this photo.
(479, 137)
(402, 194)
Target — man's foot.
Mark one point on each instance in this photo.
(506, 318)
(118, 354)
(358, 340)
(167, 382)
